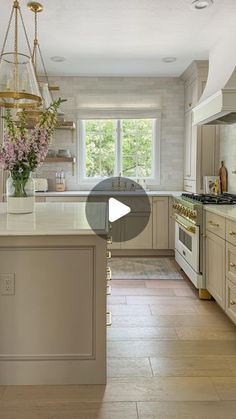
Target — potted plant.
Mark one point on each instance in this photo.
(22, 151)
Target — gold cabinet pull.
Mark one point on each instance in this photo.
(108, 254)
(232, 265)
(109, 319)
(108, 290)
(109, 275)
(213, 224)
(232, 302)
(109, 240)
(190, 104)
(232, 233)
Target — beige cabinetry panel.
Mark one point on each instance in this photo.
(231, 231)
(231, 300)
(191, 95)
(201, 148)
(231, 262)
(160, 216)
(216, 224)
(190, 148)
(171, 225)
(144, 239)
(54, 325)
(215, 267)
(207, 153)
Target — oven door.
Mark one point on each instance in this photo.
(187, 241)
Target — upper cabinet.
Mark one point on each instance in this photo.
(201, 147)
(191, 94)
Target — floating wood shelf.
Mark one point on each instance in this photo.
(60, 160)
(67, 127)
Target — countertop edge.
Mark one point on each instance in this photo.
(86, 193)
(222, 210)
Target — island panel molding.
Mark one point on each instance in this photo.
(54, 327)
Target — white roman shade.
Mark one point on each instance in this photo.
(118, 105)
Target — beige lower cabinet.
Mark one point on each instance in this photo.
(158, 234)
(129, 225)
(215, 267)
(160, 217)
(231, 300)
(171, 225)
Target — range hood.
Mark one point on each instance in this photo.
(217, 104)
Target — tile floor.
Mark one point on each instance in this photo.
(170, 356)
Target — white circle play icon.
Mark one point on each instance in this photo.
(117, 210)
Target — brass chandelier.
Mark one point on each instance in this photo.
(37, 56)
(18, 82)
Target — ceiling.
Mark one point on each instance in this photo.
(125, 37)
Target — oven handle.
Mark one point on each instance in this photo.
(191, 229)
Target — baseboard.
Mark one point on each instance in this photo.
(144, 252)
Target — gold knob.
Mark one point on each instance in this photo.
(109, 240)
(232, 265)
(232, 302)
(190, 104)
(109, 320)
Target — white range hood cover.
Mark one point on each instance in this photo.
(217, 104)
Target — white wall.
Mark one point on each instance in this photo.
(144, 92)
(228, 153)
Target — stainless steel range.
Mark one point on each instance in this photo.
(190, 233)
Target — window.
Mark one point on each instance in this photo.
(112, 146)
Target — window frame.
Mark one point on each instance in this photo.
(88, 182)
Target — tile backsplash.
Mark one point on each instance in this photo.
(103, 92)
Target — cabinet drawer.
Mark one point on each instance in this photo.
(231, 262)
(231, 300)
(190, 186)
(216, 224)
(231, 231)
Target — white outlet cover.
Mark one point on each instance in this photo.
(7, 283)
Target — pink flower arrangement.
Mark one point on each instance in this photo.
(23, 150)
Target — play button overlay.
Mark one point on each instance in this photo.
(117, 210)
(128, 205)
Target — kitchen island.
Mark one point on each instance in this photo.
(53, 295)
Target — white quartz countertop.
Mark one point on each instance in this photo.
(54, 219)
(86, 193)
(228, 211)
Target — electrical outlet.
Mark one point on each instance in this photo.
(7, 282)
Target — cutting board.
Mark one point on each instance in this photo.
(223, 178)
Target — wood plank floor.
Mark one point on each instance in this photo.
(170, 356)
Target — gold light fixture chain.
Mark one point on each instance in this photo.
(44, 67)
(17, 84)
(27, 39)
(7, 32)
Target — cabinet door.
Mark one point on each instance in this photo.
(143, 240)
(215, 267)
(191, 95)
(160, 216)
(171, 225)
(208, 153)
(190, 151)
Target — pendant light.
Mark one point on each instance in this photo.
(36, 8)
(18, 82)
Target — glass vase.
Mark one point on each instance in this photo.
(20, 193)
